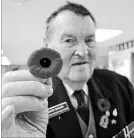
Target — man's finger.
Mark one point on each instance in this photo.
(7, 116)
(20, 88)
(49, 82)
(20, 75)
(25, 103)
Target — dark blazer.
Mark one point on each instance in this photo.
(103, 84)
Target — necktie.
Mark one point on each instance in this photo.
(82, 109)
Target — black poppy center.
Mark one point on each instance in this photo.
(103, 105)
(45, 62)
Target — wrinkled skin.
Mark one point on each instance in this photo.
(24, 105)
(73, 36)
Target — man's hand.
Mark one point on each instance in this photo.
(24, 104)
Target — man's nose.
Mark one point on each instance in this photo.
(81, 50)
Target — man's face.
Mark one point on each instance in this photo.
(73, 37)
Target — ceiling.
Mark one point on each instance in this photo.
(23, 24)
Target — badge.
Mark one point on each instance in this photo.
(115, 112)
(104, 121)
(113, 121)
(58, 109)
(104, 106)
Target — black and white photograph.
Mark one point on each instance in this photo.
(67, 68)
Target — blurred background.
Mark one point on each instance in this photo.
(23, 30)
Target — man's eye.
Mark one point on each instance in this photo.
(90, 42)
(69, 41)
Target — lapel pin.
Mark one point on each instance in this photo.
(104, 121)
(103, 105)
(113, 121)
(107, 113)
(115, 112)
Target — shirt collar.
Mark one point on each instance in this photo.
(70, 91)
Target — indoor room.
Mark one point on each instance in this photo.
(54, 50)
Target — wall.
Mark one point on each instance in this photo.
(121, 60)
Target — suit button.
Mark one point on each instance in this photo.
(90, 136)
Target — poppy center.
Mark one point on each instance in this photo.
(45, 62)
(103, 105)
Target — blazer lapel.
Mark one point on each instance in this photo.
(69, 118)
(98, 91)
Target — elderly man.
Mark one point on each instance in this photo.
(86, 102)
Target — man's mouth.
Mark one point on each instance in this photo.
(80, 63)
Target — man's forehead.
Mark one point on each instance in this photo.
(69, 18)
(67, 21)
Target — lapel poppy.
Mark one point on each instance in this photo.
(103, 105)
(45, 63)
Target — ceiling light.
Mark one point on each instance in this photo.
(105, 34)
(5, 61)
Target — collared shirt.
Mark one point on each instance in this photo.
(86, 131)
(70, 92)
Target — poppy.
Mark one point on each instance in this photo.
(103, 105)
(45, 63)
